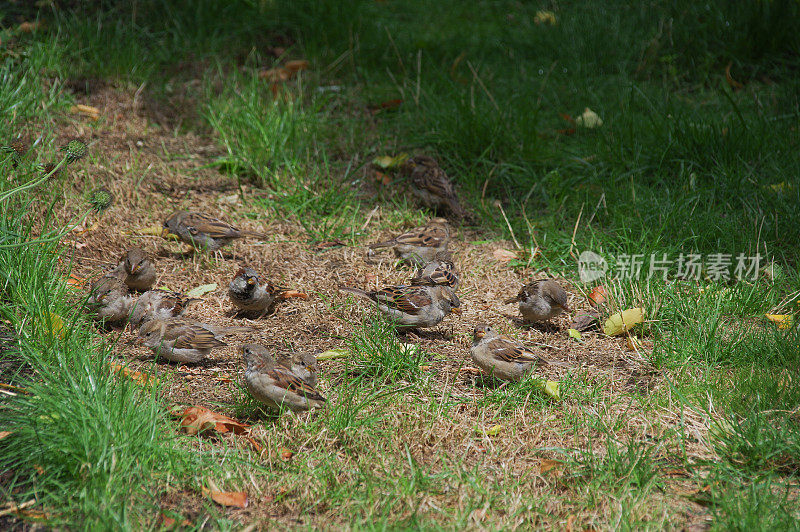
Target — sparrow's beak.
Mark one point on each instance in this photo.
(479, 334)
(251, 280)
(457, 310)
(136, 267)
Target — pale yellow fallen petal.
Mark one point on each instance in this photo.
(551, 389)
(574, 333)
(589, 119)
(332, 354)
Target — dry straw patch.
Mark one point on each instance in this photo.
(428, 430)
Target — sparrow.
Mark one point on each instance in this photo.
(541, 300)
(420, 245)
(276, 385)
(503, 357)
(182, 340)
(202, 231)
(440, 271)
(136, 270)
(109, 299)
(248, 294)
(431, 185)
(413, 306)
(160, 304)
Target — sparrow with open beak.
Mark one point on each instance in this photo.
(249, 294)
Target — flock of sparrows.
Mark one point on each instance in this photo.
(125, 295)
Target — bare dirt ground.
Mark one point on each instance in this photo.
(152, 171)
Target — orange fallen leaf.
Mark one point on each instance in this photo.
(141, 378)
(329, 244)
(597, 296)
(73, 280)
(197, 419)
(735, 85)
(296, 65)
(39, 469)
(252, 441)
(4, 434)
(170, 522)
(286, 454)
(548, 465)
(504, 255)
(783, 321)
(382, 178)
(223, 378)
(237, 499)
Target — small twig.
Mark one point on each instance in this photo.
(369, 217)
(480, 82)
(597, 207)
(574, 231)
(508, 224)
(14, 508)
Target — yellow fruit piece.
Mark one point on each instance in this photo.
(333, 354)
(574, 333)
(545, 17)
(551, 389)
(622, 322)
(783, 321)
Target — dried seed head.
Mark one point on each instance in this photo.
(101, 199)
(75, 150)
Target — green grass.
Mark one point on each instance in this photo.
(682, 164)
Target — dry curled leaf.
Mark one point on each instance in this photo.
(4, 434)
(586, 321)
(504, 255)
(137, 376)
(598, 296)
(85, 110)
(294, 294)
(197, 419)
(237, 499)
(329, 244)
(297, 65)
(286, 454)
(201, 290)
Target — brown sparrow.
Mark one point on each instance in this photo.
(181, 340)
(136, 270)
(248, 294)
(440, 271)
(109, 299)
(503, 357)
(431, 185)
(541, 300)
(304, 365)
(421, 244)
(413, 306)
(160, 304)
(203, 231)
(276, 385)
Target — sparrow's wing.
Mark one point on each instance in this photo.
(510, 351)
(438, 273)
(284, 378)
(434, 180)
(428, 236)
(202, 223)
(408, 299)
(196, 337)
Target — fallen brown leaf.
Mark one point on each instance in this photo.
(598, 296)
(5, 434)
(197, 419)
(237, 499)
(286, 454)
(141, 378)
(329, 244)
(586, 321)
(85, 110)
(28, 27)
(548, 465)
(297, 65)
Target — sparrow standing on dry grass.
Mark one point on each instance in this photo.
(249, 295)
(160, 305)
(440, 271)
(421, 244)
(276, 385)
(136, 270)
(109, 299)
(431, 185)
(413, 306)
(181, 340)
(203, 231)
(541, 300)
(503, 357)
